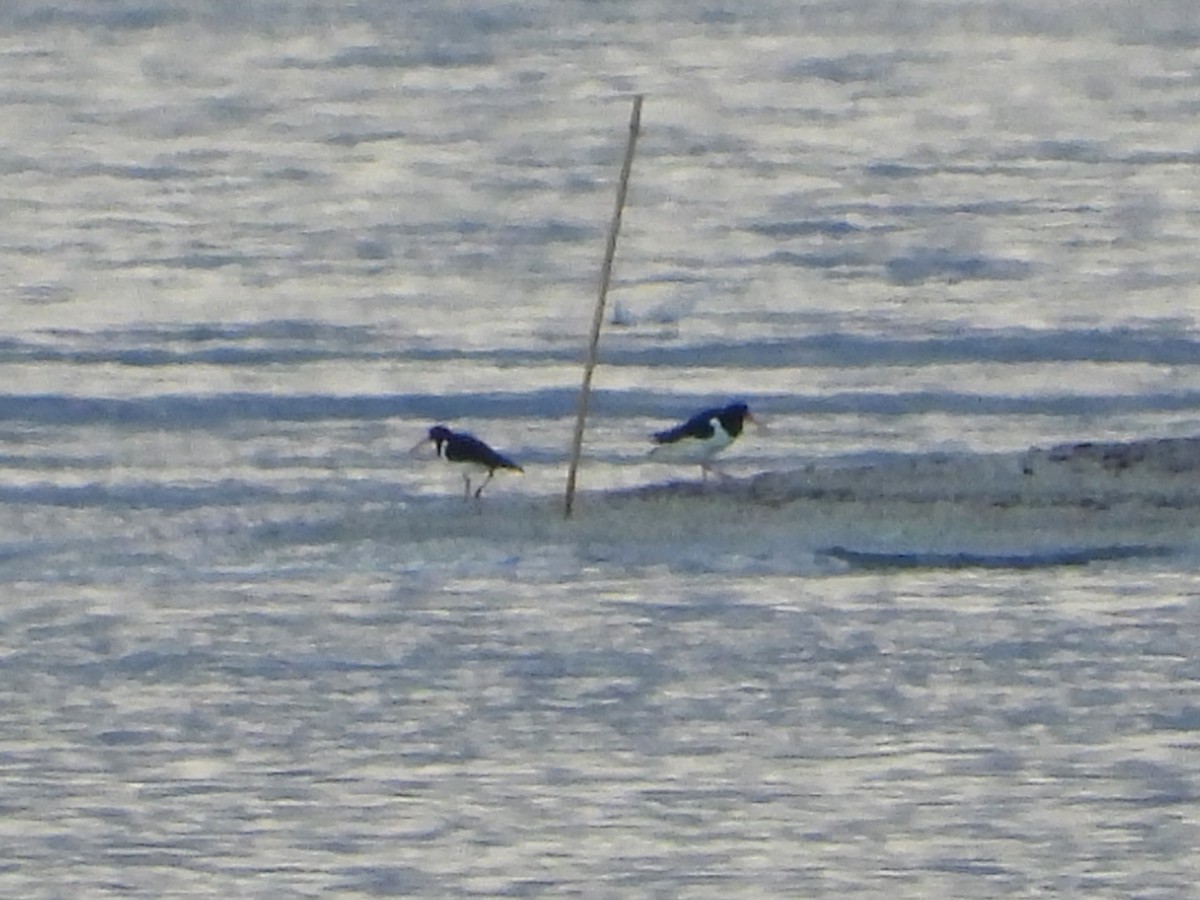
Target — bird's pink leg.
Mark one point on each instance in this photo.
(479, 491)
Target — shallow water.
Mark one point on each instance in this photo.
(921, 643)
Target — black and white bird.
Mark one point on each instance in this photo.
(460, 447)
(702, 437)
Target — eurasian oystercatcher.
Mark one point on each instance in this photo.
(460, 447)
(702, 437)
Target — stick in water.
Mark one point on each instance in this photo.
(610, 250)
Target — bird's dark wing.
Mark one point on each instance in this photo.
(698, 426)
(468, 448)
(500, 461)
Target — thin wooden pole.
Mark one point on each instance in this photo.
(610, 251)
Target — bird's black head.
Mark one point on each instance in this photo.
(439, 434)
(733, 416)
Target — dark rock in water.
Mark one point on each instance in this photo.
(1093, 476)
(1164, 454)
(1059, 556)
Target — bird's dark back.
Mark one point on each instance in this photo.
(700, 425)
(463, 447)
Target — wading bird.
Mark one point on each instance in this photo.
(702, 437)
(460, 447)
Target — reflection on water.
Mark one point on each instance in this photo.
(252, 647)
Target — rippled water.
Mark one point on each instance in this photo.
(923, 644)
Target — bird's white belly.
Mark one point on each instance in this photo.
(692, 450)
